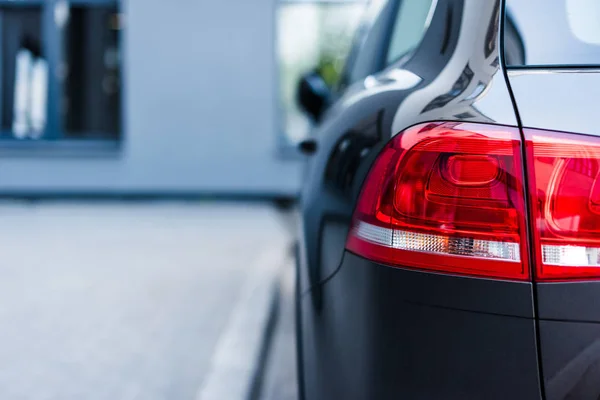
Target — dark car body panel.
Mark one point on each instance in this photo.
(369, 331)
(563, 99)
(571, 359)
(379, 337)
(577, 301)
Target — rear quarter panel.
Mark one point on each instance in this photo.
(367, 331)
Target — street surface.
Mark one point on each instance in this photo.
(122, 300)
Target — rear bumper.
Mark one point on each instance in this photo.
(388, 333)
(570, 359)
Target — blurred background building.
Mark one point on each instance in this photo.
(150, 300)
(159, 97)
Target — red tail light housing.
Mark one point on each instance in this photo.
(564, 181)
(449, 197)
(446, 197)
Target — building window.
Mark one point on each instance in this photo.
(311, 35)
(91, 73)
(60, 70)
(24, 66)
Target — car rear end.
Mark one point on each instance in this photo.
(500, 205)
(472, 263)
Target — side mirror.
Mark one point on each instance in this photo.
(313, 94)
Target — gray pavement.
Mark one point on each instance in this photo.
(280, 378)
(122, 300)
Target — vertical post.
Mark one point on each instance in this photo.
(2, 88)
(52, 51)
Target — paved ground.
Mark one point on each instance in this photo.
(280, 373)
(121, 301)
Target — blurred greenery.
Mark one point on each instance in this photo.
(329, 69)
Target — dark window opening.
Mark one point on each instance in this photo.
(91, 72)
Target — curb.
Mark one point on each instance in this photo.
(240, 355)
(257, 381)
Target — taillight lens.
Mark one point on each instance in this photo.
(446, 197)
(564, 176)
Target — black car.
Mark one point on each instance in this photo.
(450, 244)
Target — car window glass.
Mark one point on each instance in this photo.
(566, 33)
(354, 68)
(584, 20)
(412, 20)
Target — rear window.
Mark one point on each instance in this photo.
(553, 32)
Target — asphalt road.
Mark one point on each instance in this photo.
(122, 300)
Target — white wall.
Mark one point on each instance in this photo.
(200, 86)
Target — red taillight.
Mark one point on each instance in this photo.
(446, 197)
(564, 180)
(449, 197)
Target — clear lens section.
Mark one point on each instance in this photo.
(427, 243)
(374, 234)
(571, 256)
